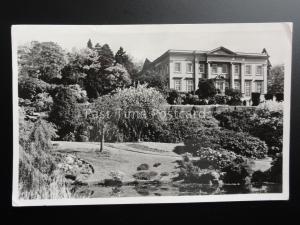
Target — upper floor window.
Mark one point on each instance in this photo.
(189, 67)
(258, 70)
(224, 68)
(201, 67)
(189, 85)
(214, 68)
(236, 69)
(177, 84)
(248, 70)
(177, 67)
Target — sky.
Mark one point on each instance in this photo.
(151, 41)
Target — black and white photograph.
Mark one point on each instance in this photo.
(166, 113)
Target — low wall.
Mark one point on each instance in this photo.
(206, 108)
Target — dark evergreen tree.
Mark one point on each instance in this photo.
(90, 44)
(206, 88)
(105, 56)
(64, 112)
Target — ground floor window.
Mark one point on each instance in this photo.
(248, 88)
(177, 84)
(220, 85)
(189, 85)
(259, 86)
(237, 85)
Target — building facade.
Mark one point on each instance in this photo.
(246, 72)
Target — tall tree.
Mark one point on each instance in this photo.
(43, 60)
(124, 59)
(90, 44)
(276, 80)
(103, 115)
(105, 56)
(64, 112)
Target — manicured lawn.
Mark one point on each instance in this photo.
(126, 157)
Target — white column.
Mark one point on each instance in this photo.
(208, 70)
(171, 81)
(265, 82)
(242, 78)
(196, 73)
(231, 85)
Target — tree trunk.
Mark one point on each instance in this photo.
(101, 139)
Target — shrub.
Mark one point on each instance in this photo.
(234, 96)
(206, 88)
(274, 174)
(145, 175)
(29, 87)
(174, 97)
(259, 177)
(237, 120)
(143, 166)
(188, 171)
(265, 122)
(240, 143)
(191, 173)
(217, 159)
(243, 144)
(235, 174)
(255, 99)
(43, 102)
(269, 96)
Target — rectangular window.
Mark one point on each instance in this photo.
(236, 69)
(237, 85)
(248, 88)
(224, 68)
(177, 67)
(189, 67)
(214, 68)
(189, 85)
(259, 86)
(177, 84)
(248, 70)
(220, 86)
(202, 68)
(258, 70)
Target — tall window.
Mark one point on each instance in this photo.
(177, 84)
(220, 85)
(214, 68)
(259, 86)
(248, 70)
(236, 69)
(189, 85)
(248, 88)
(237, 85)
(224, 68)
(202, 68)
(189, 67)
(258, 70)
(177, 67)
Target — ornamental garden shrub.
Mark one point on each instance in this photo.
(240, 143)
(255, 99)
(235, 174)
(243, 144)
(264, 122)
(217, 159)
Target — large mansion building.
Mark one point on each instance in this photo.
(246, 72)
